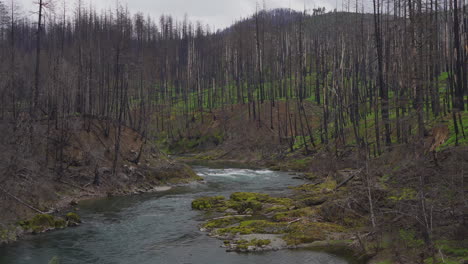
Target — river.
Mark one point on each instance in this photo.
(159, 228)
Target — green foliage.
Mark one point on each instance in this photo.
(452, 248)
(451, 141)
(403, 194)
(443, 76)
(409, 238)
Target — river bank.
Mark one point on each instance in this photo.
(338, 191)
(39, 183)
(161, 227)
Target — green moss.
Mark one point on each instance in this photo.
(43, 220)
(8, 234)
(403, 194)
(300, 233)
(324, 187)
(207, 203)
(295, 164)
(38, 224)
(246, 196)
(254, 227)
(73, 218)
(286, 216)
(244, 244)
(409, 238)
(276, 208)
(287, 202)
(222, 222)
(60, 223)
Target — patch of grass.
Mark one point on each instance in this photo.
(452, 248)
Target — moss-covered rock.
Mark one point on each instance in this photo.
(9, 233)
(290, 215)
(222, 222)
(244, 245)
(254, 227)
(247, 196)
(300, 233)
(73, 219)
(207, 203)
(60, 223)
(38, 224)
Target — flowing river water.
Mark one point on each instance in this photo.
(159, 228)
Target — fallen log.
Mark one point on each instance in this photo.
(21, 201)
(348, 179)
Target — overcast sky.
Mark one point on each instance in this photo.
(217, 13)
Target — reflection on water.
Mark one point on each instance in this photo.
(158, 228)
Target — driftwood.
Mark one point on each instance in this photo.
(348, 179)
(21, 201)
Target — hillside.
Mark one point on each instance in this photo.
(74, 164)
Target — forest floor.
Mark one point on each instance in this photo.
(418, 196)
(31, 191)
